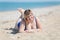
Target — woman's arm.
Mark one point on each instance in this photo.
(38, 23)
(22, 27)
(28, 29)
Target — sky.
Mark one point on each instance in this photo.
(26, 0)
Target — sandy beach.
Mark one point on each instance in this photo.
(49, 19)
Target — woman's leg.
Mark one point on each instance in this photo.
(21, 11)
(22, 14)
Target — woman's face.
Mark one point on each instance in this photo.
(29, 18)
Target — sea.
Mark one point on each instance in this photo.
(5, 6)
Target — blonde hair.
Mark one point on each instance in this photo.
(27, 12)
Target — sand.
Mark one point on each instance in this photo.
(49, 19)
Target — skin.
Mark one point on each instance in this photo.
(30, 24)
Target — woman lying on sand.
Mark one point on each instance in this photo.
(28, 23)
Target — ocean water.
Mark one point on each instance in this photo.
(4, 6)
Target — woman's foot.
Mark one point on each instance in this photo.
(21, 10)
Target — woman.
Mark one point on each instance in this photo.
(28, 23)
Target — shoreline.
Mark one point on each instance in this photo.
(33, 8)
(13, 15)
